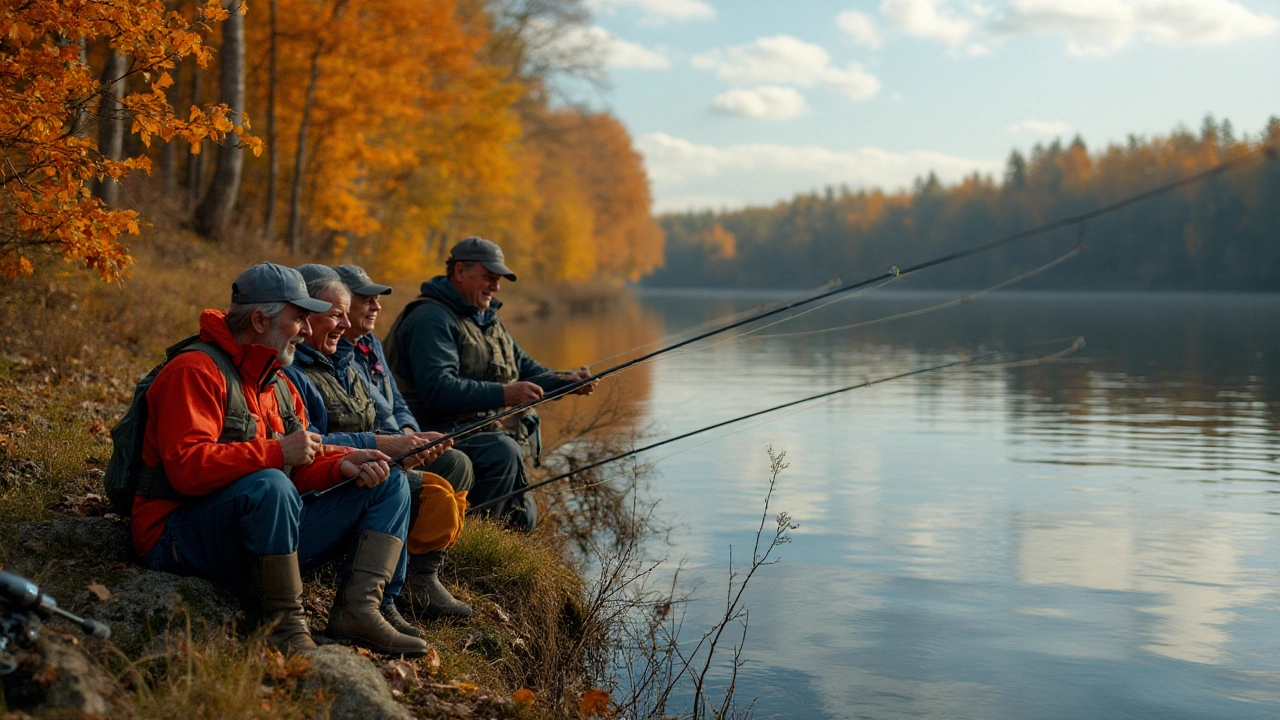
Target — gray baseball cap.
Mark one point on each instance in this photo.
(358, 280)
(314, 271)
(485, 252)
(272, 283)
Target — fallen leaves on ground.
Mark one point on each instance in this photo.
(99, 591)
(594, 702)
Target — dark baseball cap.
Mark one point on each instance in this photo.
(485, 252)
(358, 280)
(272, 283)
(312, 272)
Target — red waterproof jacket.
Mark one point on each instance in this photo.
(185, 407)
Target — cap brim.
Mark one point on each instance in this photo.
(312, 304)
(372, 289)
(499, 268)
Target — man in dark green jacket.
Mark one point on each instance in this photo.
(456, 364)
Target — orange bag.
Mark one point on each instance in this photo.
(439, 521)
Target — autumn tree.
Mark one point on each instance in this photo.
(47, 87)
(213, 214)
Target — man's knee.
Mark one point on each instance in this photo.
(455, 467)
(268, 487)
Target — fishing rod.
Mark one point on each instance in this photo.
(980, 361)
(891, 274)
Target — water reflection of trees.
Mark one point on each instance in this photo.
(574, 340)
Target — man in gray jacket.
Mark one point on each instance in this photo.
(456, 364)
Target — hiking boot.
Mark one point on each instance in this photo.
(280, 584)
(398, 621)
(355, 617)
(427, 595)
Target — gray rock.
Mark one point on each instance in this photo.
(358, 688)
(56, 675)
(144, 603)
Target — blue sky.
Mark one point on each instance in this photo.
(751, 102)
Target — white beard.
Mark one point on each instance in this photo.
(284, 346)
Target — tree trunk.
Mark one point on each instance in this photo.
(213, 215)
(300, 161)
(195, 162)
(273, 154)
(111, 125)
(169, 153)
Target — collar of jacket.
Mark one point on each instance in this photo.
(439, 288)
(336, 363)
(258, 364)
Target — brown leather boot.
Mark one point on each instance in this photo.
(356, 617)
(427, 595)
(392, 615)
(281, 586)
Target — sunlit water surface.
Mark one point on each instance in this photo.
(1093, 538)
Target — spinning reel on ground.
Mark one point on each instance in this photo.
(22, 606)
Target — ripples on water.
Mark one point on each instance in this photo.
(1087, 539)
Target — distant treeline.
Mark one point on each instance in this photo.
(1221, 234)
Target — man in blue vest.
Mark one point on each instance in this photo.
(456, 364)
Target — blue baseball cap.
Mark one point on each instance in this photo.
(272, 283)
(314, 271)
(358, 280)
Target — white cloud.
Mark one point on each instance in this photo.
(687, 174)
(1089, 27)
(1039, 127)
(788, 60)
(1098, 27)
(767, 102)
(658, 11)
(859, 27)
(929, 19)
(595, 44)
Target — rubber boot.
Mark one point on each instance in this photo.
(427, 595)
(356, 617)
(280, 583)
(397, 621)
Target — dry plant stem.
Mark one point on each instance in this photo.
(661, 648)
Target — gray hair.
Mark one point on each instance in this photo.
(240, 315)
(319, 286)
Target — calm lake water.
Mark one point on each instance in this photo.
(1093, 538)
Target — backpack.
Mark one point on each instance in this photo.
(126, 476)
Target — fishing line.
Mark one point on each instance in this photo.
(962, 300)
(982, 361)
(894, 272)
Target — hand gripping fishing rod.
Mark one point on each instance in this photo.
(895, 272)
(981, 360)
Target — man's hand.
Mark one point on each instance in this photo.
(397, 445)
(579, 375)
(519, 393)
(299, 447)
(368, 467)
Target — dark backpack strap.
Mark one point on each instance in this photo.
(284, 398)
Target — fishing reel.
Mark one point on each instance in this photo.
(22, 606)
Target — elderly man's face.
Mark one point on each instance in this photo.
(363, 315)
(476, 283)
(286, 332)
(327, 327)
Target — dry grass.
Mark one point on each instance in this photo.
(71, 349)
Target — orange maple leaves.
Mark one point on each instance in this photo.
(48, 100)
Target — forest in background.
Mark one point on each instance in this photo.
(373, 131)
(1222, 234)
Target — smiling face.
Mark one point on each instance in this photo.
(327, 327)
(363, 315)
(285, 332)
(475, 283)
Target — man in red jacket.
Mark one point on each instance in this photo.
(223, 491)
